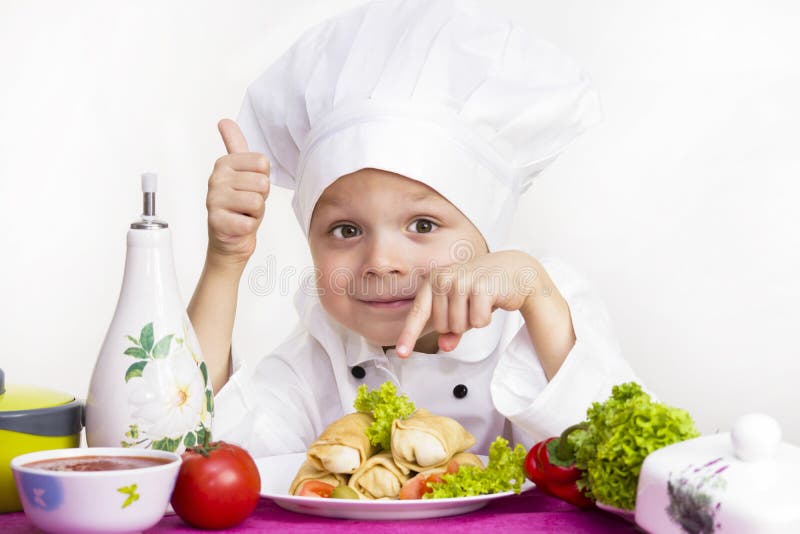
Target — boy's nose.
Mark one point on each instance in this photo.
(383, 258)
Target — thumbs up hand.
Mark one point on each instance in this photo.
(237, 190)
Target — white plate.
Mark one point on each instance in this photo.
(277, 473)
(624, 514)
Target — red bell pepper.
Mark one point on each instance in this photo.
(550, 464)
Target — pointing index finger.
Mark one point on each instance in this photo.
(416, 320)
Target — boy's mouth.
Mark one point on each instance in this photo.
(388, 303)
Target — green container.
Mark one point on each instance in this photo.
(33, 419)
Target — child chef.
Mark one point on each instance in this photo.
(408, 130)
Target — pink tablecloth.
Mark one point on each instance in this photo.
(531, 511)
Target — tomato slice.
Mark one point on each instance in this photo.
(413, 488)
(432, 479)
(315, 488)
(452, 467)
(416, 487)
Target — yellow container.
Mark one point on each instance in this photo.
(33, 419)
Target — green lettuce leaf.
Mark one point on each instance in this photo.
(503, 473)
(385, 405)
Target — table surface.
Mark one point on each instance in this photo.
(531, 511)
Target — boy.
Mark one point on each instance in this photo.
(408, 130)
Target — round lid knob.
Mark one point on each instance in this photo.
(755, 437)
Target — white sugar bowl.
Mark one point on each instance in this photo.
(743, 481)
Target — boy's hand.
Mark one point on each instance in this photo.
(458, 297)
(237, 190)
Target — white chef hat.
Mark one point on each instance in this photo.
(439, 91)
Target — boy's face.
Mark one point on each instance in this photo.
(373, 236)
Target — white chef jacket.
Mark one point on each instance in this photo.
(291, 395)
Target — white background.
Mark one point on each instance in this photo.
(681, 207)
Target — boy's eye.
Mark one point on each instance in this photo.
(345, 231)
(422, 226)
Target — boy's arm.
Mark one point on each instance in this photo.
(212, 311)
(237, 190)
(544, 394)
(549, 324)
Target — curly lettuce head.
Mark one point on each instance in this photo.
(385, 405)
(621, 432)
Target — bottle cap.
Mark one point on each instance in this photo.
(149, 188)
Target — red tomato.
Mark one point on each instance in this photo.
(218, 489)
(315, 488)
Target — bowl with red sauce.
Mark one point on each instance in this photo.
(96, 489)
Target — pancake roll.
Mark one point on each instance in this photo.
(425, 441)
(378, 478)
(343, 446)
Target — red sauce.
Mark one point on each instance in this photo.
(97, 463)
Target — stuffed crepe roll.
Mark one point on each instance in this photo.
(467, 458)
(379, 477)
(308, 472)
(425, 441)
(343, 447)
(461, 458)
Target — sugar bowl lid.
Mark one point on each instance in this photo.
(733, 482)
(39, 411)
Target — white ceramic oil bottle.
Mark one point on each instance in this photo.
(150, 387)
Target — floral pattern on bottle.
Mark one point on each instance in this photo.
(692, 501)
(168, 390)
